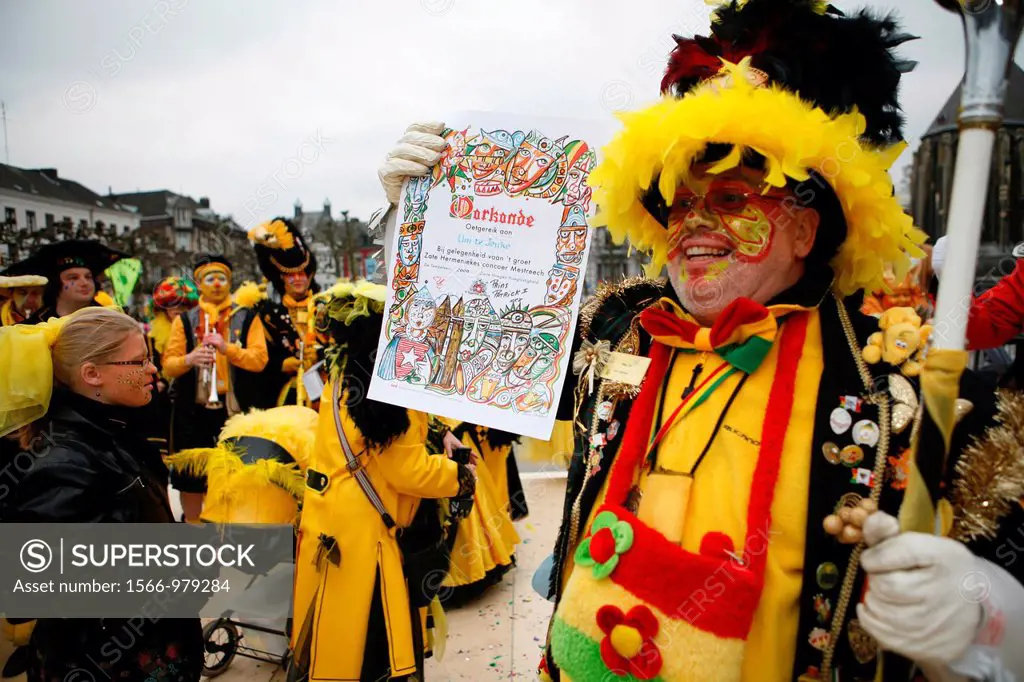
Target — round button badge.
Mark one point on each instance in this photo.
(851, 455)
(827, 575)
(866, 432)
(840, 420)
(831, 452)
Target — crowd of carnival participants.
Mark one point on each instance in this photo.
(761, 507)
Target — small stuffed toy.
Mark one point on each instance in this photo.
(901, 342)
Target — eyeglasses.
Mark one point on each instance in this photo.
(722, 200)
(144, 362)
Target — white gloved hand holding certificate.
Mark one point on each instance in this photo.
(413, 156)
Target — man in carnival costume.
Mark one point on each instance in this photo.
(214, 356)
(172, 297)
(290, 266)
(72, 268)
(730, 529)
(22, 294)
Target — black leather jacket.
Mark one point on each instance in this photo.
(90, 463)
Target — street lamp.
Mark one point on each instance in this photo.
(350, 257)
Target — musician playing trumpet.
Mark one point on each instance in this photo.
(214, 356)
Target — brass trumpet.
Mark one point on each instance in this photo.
(213, 399)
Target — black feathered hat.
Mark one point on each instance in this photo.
(835, 61)
(281, 249)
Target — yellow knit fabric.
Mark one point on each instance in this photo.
(722, 485)
(721, 491)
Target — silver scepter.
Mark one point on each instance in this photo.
(991, 29)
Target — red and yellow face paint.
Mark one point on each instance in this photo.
(729, 217)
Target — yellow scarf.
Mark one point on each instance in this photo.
(8, 315)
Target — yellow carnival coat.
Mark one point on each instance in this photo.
(403, 474)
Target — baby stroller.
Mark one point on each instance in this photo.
(226, 637)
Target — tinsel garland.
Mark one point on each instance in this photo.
(990, 474)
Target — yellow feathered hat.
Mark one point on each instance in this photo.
(255, 473)
(808, 92)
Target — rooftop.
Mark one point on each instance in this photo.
(46, 183)
(161, 202)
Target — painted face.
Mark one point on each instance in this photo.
(729, 239)
(129, 385)
(532, 160)
(539, 358)
(486, 158)
(421, 314)
(515, 339)
(409, 245)
(296, 284)
(215, 286)
(27, 299)
(561, 284)
(416, 199)
(477, 322)
(577, 192)
(77, 286)
(570, 245)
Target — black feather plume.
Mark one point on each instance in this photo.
(836, 61)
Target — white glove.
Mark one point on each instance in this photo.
(413, 155)
(920, 602)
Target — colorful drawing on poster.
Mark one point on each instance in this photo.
(484, 339)
(407, 260)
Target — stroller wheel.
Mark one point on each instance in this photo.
(220, 639)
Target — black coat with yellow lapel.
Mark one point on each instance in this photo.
(828, 482)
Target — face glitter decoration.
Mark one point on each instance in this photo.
(77, 285)
(129, 377)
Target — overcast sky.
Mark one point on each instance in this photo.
(256, 104)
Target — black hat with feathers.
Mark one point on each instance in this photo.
(836, 61)
(281, 249)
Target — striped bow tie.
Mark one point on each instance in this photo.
(742, 334)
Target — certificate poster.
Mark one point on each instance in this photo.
(485, 274)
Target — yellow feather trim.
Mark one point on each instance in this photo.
(248, 295)
(192, 461)
(290, 426)
(274, 235)
(104, 299)
(793, 135)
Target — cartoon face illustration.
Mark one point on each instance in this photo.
(539, 357)
(515, 339)
(533, 160)
(577, 193)
(410, 241)
(561, 284)
(572, 240)
(492, 151)
(478, 319)
(416, 198)
(421, 312)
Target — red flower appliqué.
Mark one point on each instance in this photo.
(628, 647)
